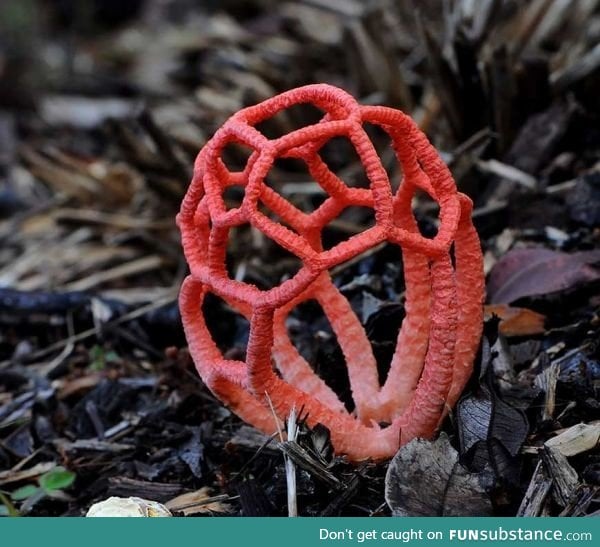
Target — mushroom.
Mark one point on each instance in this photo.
(444, 278)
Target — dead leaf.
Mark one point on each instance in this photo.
(491, 430)
(516, 321)
(537, 271)
(425, 479)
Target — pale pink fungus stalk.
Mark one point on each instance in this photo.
(440, 334)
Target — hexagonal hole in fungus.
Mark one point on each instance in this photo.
(373, 284)
(382, 327)
(235, 156)
(289, 119)
(253, 257)
(277, 218)
(351, 221)
(241, 247)
(378, 271)
(343, 160)
(311, 334)
(426, 212)
(228, 328)
(291, 179)
(233, 196)
(385, 150)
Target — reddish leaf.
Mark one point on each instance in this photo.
(537, 271)
(516, 321)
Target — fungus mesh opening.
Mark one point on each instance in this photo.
(228, 329)
(235, 156)
(351, 221)
(253, 257)
(293, 117)
(383, 144)
(312, 335)
(342, 159)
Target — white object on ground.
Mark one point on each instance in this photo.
(128, 507)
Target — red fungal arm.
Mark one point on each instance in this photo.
(439, 336)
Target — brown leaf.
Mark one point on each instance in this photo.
(516, 321)
(537, 271)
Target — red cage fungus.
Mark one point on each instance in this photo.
(444, 280)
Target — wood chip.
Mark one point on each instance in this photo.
(564, 478)
(304, 460)
(159, 491)
(576, 439)
(508, 172)
(10, 475)
(118, 221)
(198, 502)
(585, 66)
(580, 501)
(140, 265)
(93, 445)
(536, 494)
(547, 382)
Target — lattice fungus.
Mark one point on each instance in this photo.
(444, 279)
